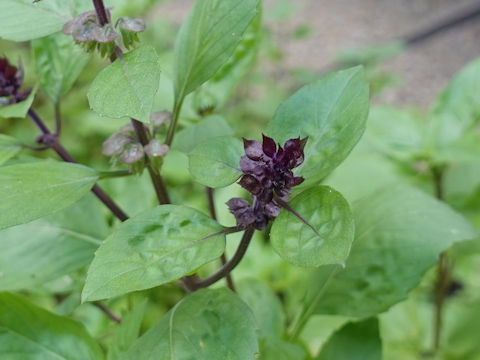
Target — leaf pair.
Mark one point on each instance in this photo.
(400, 232)
(332, 112)
(206, 41)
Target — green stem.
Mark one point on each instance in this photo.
(303, 317)
(173, 125)
(444, 268)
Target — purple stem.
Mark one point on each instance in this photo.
(51, 141)
(213, 214)
(229, 266)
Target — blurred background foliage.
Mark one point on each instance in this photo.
(395, 148)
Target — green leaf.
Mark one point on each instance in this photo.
(9, 147)
(23, 20)
(396, 132)
(461, 184)
(18, 110)
(266, 307)
(219, 88)
(277, 349)
(466, 149)
(212, 126)
(46, 249)
(30, 332)
(209, 324)
(127, 333)
(33, 190)
(127, 87)
(457, 109)
(155, 247)
(207, 39)
(58, 62)
(215, 162)
(332, 112)
(400, 231)
(329, 214)
(355, 341)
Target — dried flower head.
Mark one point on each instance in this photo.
(268, 176)
(129, 24)
(11, 79)
(129, 28)
(116, 143)
(86, 29)
(155, 148)
(159, 119)
(132, 154)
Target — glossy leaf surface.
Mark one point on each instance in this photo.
(20, 109)
(30, 332)
(209, 324)
(354, 341)
(215, 162)
(46, 249)
(207, 40)
(33, 190)
(127, 87)
(329, 214)
(155, 247)
(22, 20)
(212, 126)
(332, 112)
(400, 231)
(9, 147)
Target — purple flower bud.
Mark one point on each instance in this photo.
(269, 147)
(267, 168)
(11, 79)
(242, 211)
(251, 184)
(253, 149)
(268, 176)
(271, 210)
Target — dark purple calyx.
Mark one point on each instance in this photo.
(11, 79)
(267, 175)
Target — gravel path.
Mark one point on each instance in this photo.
(337, 25)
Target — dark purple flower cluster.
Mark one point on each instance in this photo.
(11, 79)
(268, 176)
